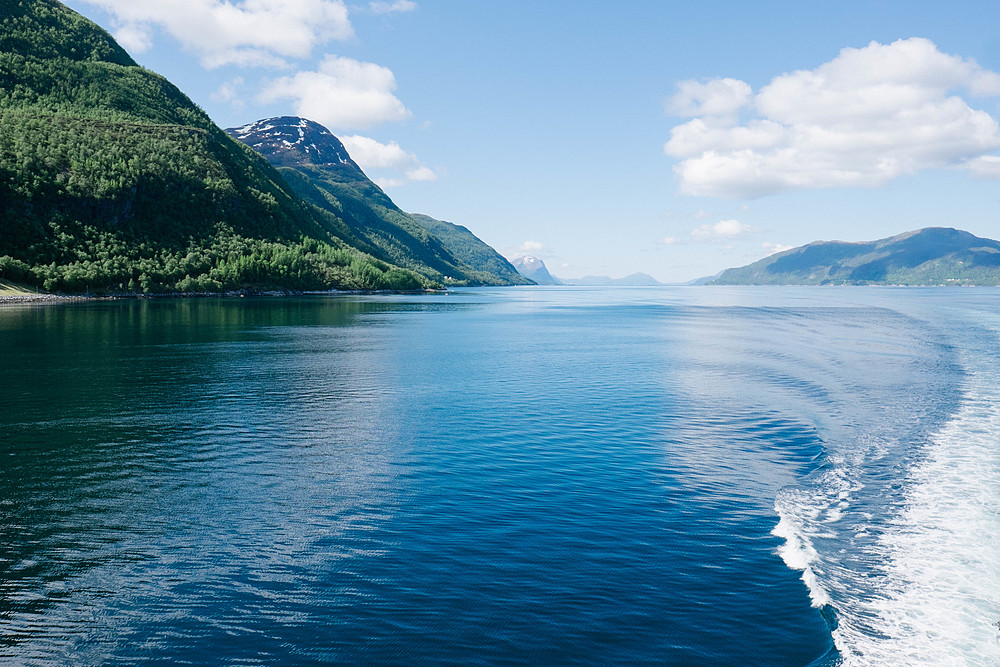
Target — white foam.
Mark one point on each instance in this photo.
(805, 517)
(913, 578)
(940, 596)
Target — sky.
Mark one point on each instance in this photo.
(676, 139)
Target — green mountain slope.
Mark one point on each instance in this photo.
(111, 179)
(468, 248)
(931, 256)
(318, 168)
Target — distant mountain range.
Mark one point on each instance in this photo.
(931, 256)
(633, 280)
(112, 180)
(535, 269)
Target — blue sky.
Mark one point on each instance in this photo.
(677, 139)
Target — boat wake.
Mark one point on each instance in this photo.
(941, 595)
(909, 573)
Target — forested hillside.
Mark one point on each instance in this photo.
(320, 170)
(469, 248)
(112, 180)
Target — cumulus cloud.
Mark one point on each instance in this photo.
(669, 240)
(229, 91)
(246, 32)
(343, 94)
(774, 248)
(374, 155)
(421, 173)
(986, 166)
(135, 38)
(722, 230)
(526, 249)
(864, 118)
(716, 97)
(391, 7)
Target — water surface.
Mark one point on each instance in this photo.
(543, 476)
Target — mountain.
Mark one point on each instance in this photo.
(534, 269)
(112, 180)
(931, 256)
(704, 280)
(466, 246)
(633, 280)
(318, 168)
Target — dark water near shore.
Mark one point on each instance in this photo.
(541, 476)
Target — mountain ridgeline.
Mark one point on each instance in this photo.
(318, 168)
(931, 256)
(112, 180)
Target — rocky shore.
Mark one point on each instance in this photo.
(22, 297)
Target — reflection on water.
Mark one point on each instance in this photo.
(575, 476)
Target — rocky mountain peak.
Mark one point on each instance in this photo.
(294, 141)
(534, 269)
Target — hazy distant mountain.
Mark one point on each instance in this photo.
(931, 256)
(704, 280)
(633, 280)
(534, 269)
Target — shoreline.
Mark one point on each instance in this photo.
(16, 298)
(21, 297)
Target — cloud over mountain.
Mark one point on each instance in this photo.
(722, 230)
(865, 118)
(342, 94)
(250, 32)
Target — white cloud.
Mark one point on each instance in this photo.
(526, 249)
(774, 248)
(722, 230)
(392, 7)
(529, 247)
(421, 173)
(229, 92)
(220, 32)
(371, 154)
(374, 155)
(342, 94)
(386, 183)
(715, 97)
(135, 38)
(864, 118)
(986, 166)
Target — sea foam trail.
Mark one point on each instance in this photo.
(940, 597)
(806, 518)
(897, 536)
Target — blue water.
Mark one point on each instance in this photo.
(782, 476)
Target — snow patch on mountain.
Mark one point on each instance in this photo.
(305, 140)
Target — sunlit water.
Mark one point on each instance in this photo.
(545, 476)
